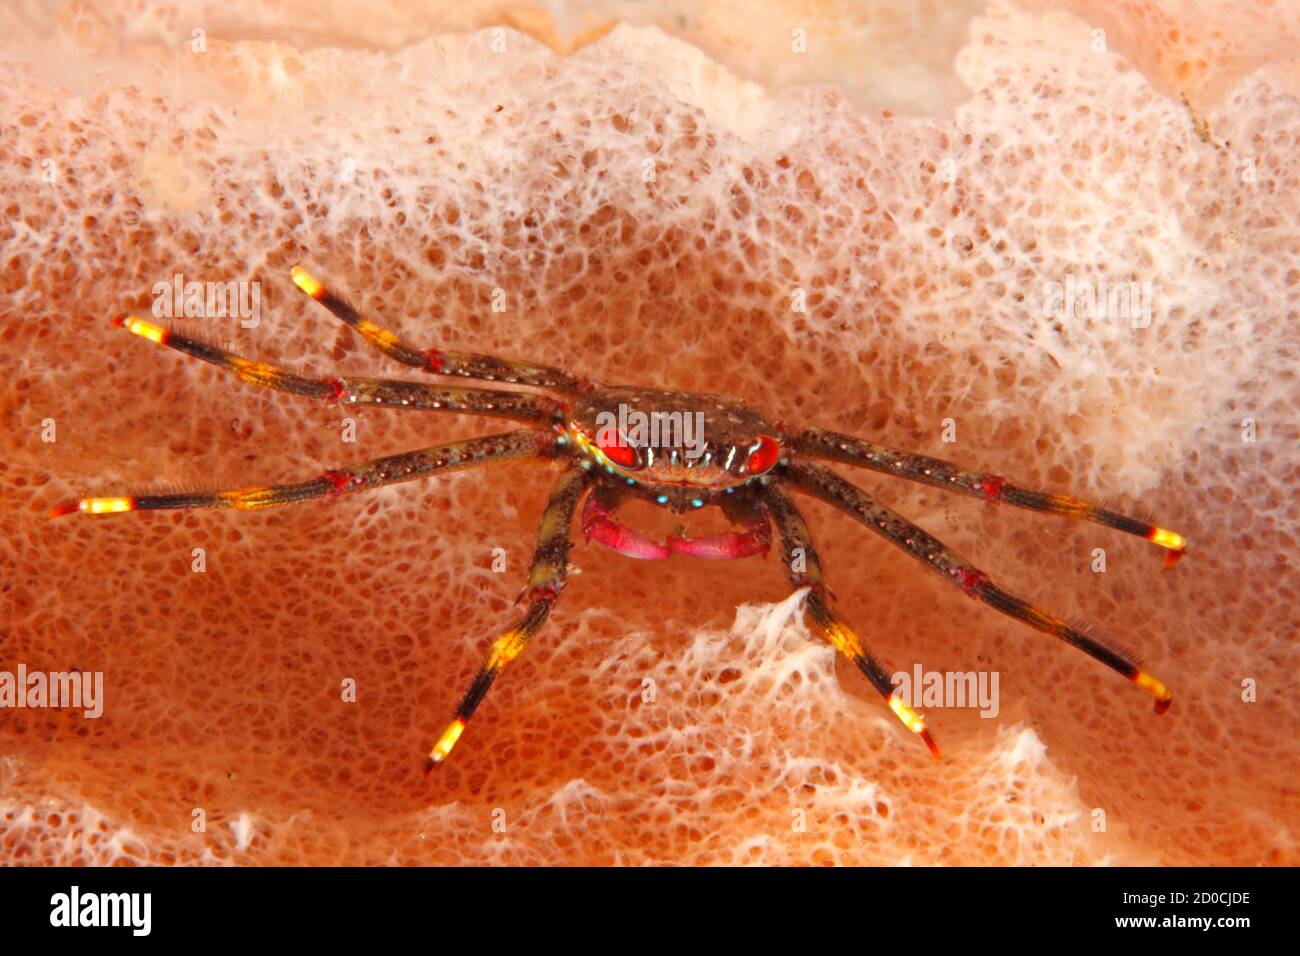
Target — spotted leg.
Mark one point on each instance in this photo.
(806, 570)
(464, 364)
(995, 488)
(823, 483)
(545, 579)
(389, 393)
(523, 445)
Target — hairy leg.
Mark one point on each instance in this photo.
(522, 445)
(995, 488)
(800, 557)
(823, 483)
(545, 580)
(389, 393)
(465, 364)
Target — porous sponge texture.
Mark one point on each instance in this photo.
(651, 218)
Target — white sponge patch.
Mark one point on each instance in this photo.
(1071, 278)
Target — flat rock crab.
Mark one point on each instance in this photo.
(683, 451)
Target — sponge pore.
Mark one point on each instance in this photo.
(649, 216)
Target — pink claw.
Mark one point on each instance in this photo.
(598, 524)
(727, 545)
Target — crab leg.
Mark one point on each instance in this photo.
(518, 406)
(545, 580)
(945, 474)
(823, 483)
(465, 364)
(522, 445)
(795, 539)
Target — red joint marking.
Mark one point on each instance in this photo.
(429, 764)
(1173, 557)
(991, 487)
(338, 388)
(434, 360)
(929, 742)
(119, 321)
(543, 592)
(341, 480)
(1163, 706)
(62, 510)
(970, 580)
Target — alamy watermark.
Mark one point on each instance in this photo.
(179, 299)
(133, 911)
(1087, 299)
(922, 689)
(640, 429)
(75, 689)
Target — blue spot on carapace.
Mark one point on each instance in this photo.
(662, 499)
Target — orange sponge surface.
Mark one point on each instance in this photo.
(681, 202)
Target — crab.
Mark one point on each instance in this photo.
(680, 450)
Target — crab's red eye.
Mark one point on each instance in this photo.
(617, 450)
(764, 456)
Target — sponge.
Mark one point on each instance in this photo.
(1069, 277)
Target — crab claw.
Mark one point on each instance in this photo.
(598, 524)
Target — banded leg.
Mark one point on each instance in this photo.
(944, 474)
(523, 445)
(545, 580)
(518, 406)
(794, 534)
(487, 368)
(823, 483)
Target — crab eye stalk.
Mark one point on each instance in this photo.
(763, 455)
(617, 450)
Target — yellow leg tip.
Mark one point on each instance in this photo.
(306, 282)
(1168, 539)
(146, 330)
(101, 506)
(910, 718)
(445, 743)
(1156, 689)
(913, 722)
